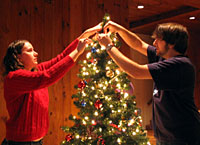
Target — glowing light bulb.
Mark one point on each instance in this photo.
(106, 82)
(86, 117)
(84, 68)
(77, 136)
(84, 122)
(137, 130)
(131, 122)
(118, 85)
(123, 129)
(93, 122)
(103, 48)
(96, 113)
(117, 72)
(108, 18)
(95, 45)
(84, 94)
(119, 140)
(100, 129)
(134, 133)
(106, 97)
(148, 143)
(107, 68)
(114, 39)
(88, 55)
(126, 95)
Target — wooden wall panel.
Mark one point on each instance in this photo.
(193, 53)
(143, 88)
(56, 99)
(37, 28)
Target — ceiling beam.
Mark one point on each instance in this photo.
(162, 16)
(192, 3)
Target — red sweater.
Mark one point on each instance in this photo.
(27, 98)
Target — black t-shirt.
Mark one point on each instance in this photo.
(175, 116)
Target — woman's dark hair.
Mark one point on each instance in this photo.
(174, 34)
(11, 61)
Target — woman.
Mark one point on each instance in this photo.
(25, 87)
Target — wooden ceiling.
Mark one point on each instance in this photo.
(160, 11)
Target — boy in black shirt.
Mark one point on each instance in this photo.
(176, 120)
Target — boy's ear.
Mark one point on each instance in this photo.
(171, 46)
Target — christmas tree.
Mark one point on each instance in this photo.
(108, 113)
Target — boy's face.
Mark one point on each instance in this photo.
(161, 47)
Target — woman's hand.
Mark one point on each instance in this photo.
(82, 44)
(91, 31)
(80, 48)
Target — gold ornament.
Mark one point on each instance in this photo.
(110, 73)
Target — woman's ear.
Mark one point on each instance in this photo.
(19, 57)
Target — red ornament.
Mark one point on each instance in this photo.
(94, 122)
(98, 104)
(115, 126)
(81, 84)
(68, 137)
(136, 112)
(101, 141)
(93, 61)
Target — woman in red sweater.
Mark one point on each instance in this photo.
(25, 87)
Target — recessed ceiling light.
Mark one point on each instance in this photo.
(192, 18)
(140, 6)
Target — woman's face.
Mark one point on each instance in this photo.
(28, 56)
